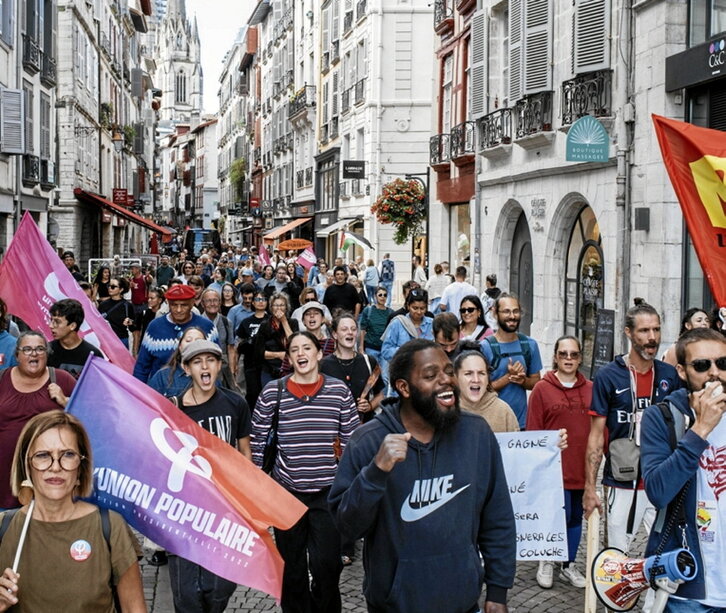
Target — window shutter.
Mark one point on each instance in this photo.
(335, 25)
(335, 94)
(139, 137)
(515, 50)
(41, 25)
(12, 121)
(592, 35)
(478, 64)
(8, 17)
(325, 41)
(537, 46)
(325, 102)
(136, 83)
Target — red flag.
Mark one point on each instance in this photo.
(183, 487)
(695, 158)
(32, 278)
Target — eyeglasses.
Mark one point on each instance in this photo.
(573, 355)
(510, 312)
(40, 349)
(67, 460)
(704, 364)
(258, 299)
(113, 286)
(465, 310)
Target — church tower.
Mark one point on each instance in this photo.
(179, 68)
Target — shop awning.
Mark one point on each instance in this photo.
(127, 214)
(276, 233)
(337, 226)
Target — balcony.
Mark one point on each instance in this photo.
(462, 142)
(333, 129)
(47, 174)
(439, 150)
(48, 73)
(361, 9)
(345, 101)
(257, 155)
(343, 190)
(31, 54)
(309, 176)
(31, 170)
(495, 133)
(360, 91)
(348, 22)
(335, 52)
(300, 179)
(587, 94)
(443, 16)
(301, 100)
(533, 116)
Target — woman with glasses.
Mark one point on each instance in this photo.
(271, 340)
(27, 389)
(561, 399)
(187, 271)
(373, 322)
(100, 284)
(246, 333)
(119, 313)
(471, 314)
(66, 559)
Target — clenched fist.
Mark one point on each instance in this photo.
(392, 450)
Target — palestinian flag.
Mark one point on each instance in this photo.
(349, 239)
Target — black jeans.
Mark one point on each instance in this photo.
(314, 540)
(195, 589)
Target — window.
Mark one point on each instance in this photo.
(181, 87)
(45, 152)
(7, 14)
(447, 85)
(707, 19)
(28, 95)
(530, 47)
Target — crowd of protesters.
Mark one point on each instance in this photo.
(370, 404)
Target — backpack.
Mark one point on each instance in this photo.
(497, 355)
(388, 270)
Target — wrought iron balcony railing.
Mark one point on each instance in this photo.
(304, 98)
(462, 139)
(31, 169)
(439, 149)
(534, 114)
(345, 101)
(361, 8)
(443, 12)
(360, 91)
(309, 176)
(31, 54)
(494, 129)
(300, 179)
(587, 94)
(48, 73)
(343, 189)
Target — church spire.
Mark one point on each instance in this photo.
(176, 8)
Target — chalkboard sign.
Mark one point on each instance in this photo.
(602, 350)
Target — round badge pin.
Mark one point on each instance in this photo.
(80, 550)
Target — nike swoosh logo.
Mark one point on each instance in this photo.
(625, 389)
(409, 514)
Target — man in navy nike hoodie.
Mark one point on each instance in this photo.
(424, 484)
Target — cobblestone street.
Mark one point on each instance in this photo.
(525, 597)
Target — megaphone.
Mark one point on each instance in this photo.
(619, 580)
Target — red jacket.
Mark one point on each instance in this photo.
(553, 406)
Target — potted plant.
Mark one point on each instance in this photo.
(402, 204)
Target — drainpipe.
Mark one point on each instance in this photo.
(375, 239)
(19, 85)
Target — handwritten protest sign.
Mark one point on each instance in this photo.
(534, 473)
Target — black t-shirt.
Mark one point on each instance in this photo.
(143, 319)
(355, 375)
(246, 332)
(71, 360)
(343, 297)
(115, 312)
(226, 415)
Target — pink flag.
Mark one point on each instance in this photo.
(307, 259)
(32, 278)
(264, 257)
(183, 487)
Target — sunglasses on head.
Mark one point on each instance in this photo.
(464, 310)
(704, 364)
(573, 355)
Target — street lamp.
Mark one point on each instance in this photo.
(117, 137)
(417, 176)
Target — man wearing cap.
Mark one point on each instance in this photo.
(226, 415)
(69, 259)
(163, 334)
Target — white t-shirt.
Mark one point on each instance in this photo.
(711, 515)
(453, 295)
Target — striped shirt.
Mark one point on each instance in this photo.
(306, 433)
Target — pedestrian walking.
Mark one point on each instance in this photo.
(471, 314)
(342, 296)
(435, 286)
(306, 463)
(693, 318)
(387, 272)
(373, 322)
(371, 280)
(100, 284)
(246, 332)
(272, 339)
(118, 312)
(454, 293)
(172, 380)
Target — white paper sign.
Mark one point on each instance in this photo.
(533, 467)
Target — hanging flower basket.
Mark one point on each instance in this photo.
(402, 204)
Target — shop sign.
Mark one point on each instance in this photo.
(538, 208)
(587, 141)
(699, 64)
(354, 169)
(120, 196)
(105, 217)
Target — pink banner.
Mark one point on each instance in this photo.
(183, 487)
(264, 257)
(307, 259)
(32, 278)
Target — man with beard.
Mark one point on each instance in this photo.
(621, 392)
(514, 357)
(693, 459)
(424, 484)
